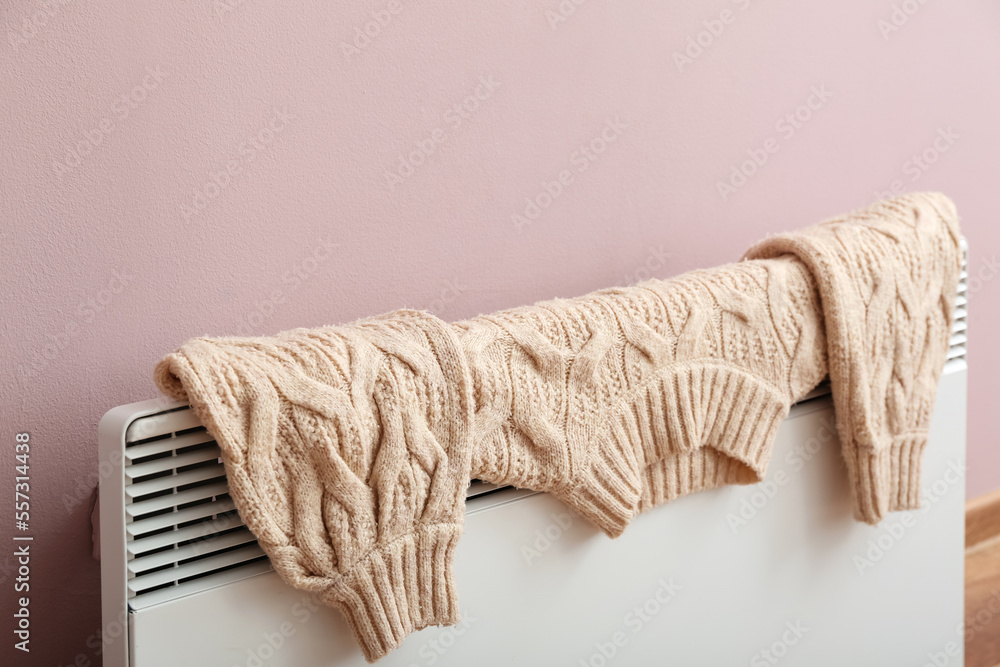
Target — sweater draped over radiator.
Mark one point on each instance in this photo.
(348, 448)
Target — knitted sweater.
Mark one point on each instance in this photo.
(347, 453)
(623, 399)
(348, 448)
(888, 278)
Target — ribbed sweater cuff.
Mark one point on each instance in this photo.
(398, 588)
(607, 493)
(887, 480)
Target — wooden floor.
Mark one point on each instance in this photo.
(982, 582)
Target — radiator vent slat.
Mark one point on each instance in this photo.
(165, 502)
(195, 549)
(161, 521)
(199, 531)
(160, 595)
(211, 453)
(176, 480)
(164, 423)
(194, 568)
(134, 452)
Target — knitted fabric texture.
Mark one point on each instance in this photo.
(347, 453)
(888, 278)
(623, 399)
(348, 448)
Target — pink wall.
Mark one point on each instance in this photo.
(227, 167)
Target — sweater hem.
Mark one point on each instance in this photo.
(694, 426)
(691, 472)
(703, 427)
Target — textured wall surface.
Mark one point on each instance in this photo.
(246, 166)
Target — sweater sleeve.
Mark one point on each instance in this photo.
(347, 454)
(888, 277)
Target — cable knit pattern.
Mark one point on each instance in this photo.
(347, 451)
(888, 277)
(348, 448)
(626, 398)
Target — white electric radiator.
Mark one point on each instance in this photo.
(774, 573)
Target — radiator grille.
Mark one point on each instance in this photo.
(957, 349)
(183, 533)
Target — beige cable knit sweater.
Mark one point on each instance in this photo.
(888, 277)
(348, 448)
(626, 398)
